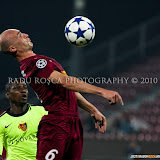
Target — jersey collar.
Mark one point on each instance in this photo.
(18, 115)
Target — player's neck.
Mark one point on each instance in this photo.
(22, 56)
(17, 109)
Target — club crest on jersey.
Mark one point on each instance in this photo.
(23, 126)
(41, 63)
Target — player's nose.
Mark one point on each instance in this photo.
(24, 90)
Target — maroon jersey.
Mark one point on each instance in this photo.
(54, 97)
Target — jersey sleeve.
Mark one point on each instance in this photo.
(40, 110)
(1, 138)
(43, 111)
(40, 68)
(47, 69)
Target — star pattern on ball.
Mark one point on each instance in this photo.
(67, 30)
(91, 26)
(80, 33)
(78, 20)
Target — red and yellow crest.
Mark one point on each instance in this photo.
(23, 126)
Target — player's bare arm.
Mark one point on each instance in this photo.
(100, 119)
(74, 84)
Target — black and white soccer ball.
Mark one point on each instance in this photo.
(79, 31)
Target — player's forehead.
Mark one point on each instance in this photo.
(19, 84)
(10, 32)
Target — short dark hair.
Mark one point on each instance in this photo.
(14, 82)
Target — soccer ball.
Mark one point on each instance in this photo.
(79, 31)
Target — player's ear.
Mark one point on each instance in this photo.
(7, 95)
(12, 49)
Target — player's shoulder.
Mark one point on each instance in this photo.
(38, 61)
(33, 59)
(3, 120)
(41, 61)
(2, 113)
(43, 56)
(4, 116)
(33, 107)
(44, 61)
(36, 108)
(36, 58)
(48, 59)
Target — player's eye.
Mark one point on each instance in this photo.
(19, 87)
(16, 88)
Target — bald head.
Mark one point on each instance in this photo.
(7, 39)
(12, 42)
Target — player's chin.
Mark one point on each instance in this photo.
(30, 45)
(24, 101)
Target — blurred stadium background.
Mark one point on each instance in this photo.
(127, 44)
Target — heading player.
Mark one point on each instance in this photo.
(19, 124)
(61, 129)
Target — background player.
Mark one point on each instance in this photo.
(59, 98)
(19, 124)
